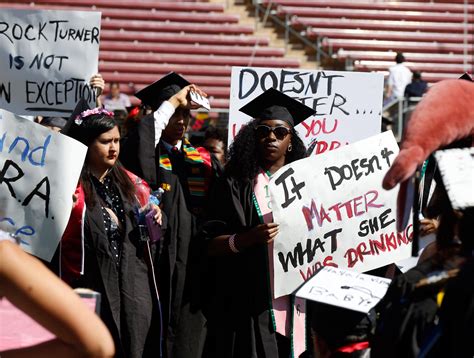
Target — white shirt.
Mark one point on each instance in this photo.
(162, 116)
(400, 75)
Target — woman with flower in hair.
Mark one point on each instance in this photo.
(103, 247)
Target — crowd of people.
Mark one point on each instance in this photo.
(176, 239)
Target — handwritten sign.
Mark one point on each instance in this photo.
(46, 60)
(39, 171)
(457, 170)
(348, 105)
(345, 289)
(333, 211)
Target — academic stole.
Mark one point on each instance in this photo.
(288, 312)
(195, 170)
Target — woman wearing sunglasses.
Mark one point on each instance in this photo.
(244, 319)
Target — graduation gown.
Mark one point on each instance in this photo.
(128, 306)
(181, 268)
(408, 316)
(240, 323)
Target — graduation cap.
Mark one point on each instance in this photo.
(161, 90)
(81, 106)
(273, 104)
(466, 76)
(59, 122)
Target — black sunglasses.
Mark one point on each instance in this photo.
(264, 131)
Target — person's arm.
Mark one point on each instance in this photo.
(261, 234)
(30, 286)
(181, 99)
(98, 83)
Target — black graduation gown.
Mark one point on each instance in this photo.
(181, 268)
(240, 320)
(128, 306)
(408, 315)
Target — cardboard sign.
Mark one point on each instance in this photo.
(348, 105)
(46, 60)
(39, 172)
(333, 211)
(345, 289)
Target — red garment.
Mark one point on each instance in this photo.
(72, 242)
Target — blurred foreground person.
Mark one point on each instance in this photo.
(30, 286)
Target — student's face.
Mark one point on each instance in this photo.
(273, 145)
(216, 147)
(104, 150)
(177, 125)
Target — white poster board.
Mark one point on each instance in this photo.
(39, 172)
(46, 60)
(333, 211)
(348, 104)
(345, 289)
(457, 170)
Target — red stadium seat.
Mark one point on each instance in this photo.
(190, 49)
(410, 56)
(375, 45)
(183, 38)
(303, 23)
(126, 14)
(370, 5)
(133, 4)
(179, 27)
(181, 59)
(313, 33)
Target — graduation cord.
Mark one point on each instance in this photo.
(260, 216)
(157, 295)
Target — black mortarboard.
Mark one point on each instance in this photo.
(466, 76)
(273, 104)
(81, 106)
(162, 89)
(59, 122)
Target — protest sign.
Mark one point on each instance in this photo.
(46, 60)
(345, 289)
(333, 211)
(457, 170)
(348, 105)
(39, 171)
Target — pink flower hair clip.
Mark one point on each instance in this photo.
(89, 112)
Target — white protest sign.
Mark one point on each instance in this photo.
(345, 289)
(39, 171)
(348, 105)
(333, 211)
(457, 170)
(46, 60)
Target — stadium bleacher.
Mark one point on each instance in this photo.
(432, 35)
(143, 40)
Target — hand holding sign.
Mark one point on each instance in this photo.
(182, 99)
(199, 100)
(261, 234)
(333, 211)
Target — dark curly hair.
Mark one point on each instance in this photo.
(243, 159)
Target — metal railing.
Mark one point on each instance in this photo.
(398, 112)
